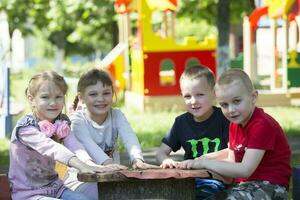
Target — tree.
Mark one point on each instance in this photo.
(72, 26)
(227, 12)
(223, 39)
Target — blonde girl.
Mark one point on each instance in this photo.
(36, 144)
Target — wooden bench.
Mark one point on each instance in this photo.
(4, 187)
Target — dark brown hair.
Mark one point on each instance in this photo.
(91, 77)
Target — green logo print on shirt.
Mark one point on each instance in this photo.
(204, 141)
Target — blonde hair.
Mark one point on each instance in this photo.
(198, 71)
(36, 80)
(232, 75)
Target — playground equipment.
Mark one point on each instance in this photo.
(272, 49)
(157, 61)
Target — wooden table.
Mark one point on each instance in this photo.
(146, 184)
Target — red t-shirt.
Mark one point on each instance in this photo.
(263, 132)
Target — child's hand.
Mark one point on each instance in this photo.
(139, 164)
(86, 169)
(108, 162)
(107, 168)
(191, 164)
(169, 163)
(116, 167)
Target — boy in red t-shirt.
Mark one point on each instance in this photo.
(258, 154)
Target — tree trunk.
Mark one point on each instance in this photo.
(59, 58)
(60, 43)
(223, 36)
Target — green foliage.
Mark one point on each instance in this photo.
(207, 10)
(186, 27)
(78, 26)
(4, 157)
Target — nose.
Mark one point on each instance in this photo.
(100, 98)
(231, 108)
(53, 102)
(193, 100)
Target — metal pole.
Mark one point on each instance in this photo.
(8, 118)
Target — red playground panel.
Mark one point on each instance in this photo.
(180, 60)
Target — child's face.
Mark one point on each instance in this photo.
(48, 102)
(236, 102)
(198, 97)
(98, 100)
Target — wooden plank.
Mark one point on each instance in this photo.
(4, 188)
(175, 189)
(126, 175)
(142, 174)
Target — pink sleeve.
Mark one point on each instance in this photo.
(33, 138)
(76, 147)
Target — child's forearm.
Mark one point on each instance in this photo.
(218, 155)
(78, 164)
(163, 153)
(229, 169)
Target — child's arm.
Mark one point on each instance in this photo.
(163, 157)
(91, 167)
(80, 130)
(139, 164)
(129, 138)
(251, 160)
(76, 147)
(218, 155)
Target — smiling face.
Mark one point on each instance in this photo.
(48, 101)
(198, 97)
(236, 102)
(98, 99)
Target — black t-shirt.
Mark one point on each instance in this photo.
(198, 138)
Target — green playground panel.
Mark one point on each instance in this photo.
(293, 72)
(294, 77)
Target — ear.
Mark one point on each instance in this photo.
(80, 97)
(31, 100)
(254, 96)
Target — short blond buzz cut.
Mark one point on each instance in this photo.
(199, 71)
(232, 75)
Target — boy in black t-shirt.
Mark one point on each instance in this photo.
(202, 129)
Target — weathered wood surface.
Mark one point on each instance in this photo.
(4, 187)
(127, 175)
